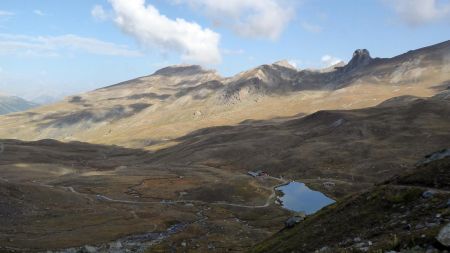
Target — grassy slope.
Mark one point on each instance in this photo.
(346, 147)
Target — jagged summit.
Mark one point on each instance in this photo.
(182, 70)
(361, 57)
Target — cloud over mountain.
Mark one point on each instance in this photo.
(248, 18)
(419, 12)
(152, 29)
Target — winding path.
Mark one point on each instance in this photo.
(169, 202)
(172, 202)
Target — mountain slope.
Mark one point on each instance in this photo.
(349, 147)
(397, 215)
(176, 100)
(14, 104)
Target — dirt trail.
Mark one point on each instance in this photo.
(169, 202)
(267, 204)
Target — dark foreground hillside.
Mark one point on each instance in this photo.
(404, 214)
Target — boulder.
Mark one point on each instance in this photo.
(444, 235)
(88, 249)
(291, 222)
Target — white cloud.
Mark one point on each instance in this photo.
(312, 28)
(6, 13)
(419, 12)
(99, 13)
(328, 60)
(248, 18)
(152, 29)
(24, 45)
(39, 12)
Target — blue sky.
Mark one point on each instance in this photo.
(53, 47)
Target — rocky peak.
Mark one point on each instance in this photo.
(361, 54)
(361, 57)
(182, 70)
(284, 64)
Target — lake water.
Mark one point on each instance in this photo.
(299, 198)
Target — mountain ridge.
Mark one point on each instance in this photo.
(176, 100)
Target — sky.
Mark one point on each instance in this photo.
(57, 48)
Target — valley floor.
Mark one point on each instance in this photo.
(90, 199)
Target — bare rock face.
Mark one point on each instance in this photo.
(361, 58)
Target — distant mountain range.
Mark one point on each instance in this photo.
(10, 104)
(155, 110)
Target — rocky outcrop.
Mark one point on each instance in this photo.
(361, 58)
(435, 156)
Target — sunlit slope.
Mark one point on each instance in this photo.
(153, 110)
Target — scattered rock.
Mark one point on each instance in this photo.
(431, 225)
(337, 123)
(431, 249)
(115, 245)
(329, 185)
(419, 226)
(89, 249)
(323, 249)
(291, 222)
(436, 156)
(360, 245)
(407, 227)
(428, 194)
